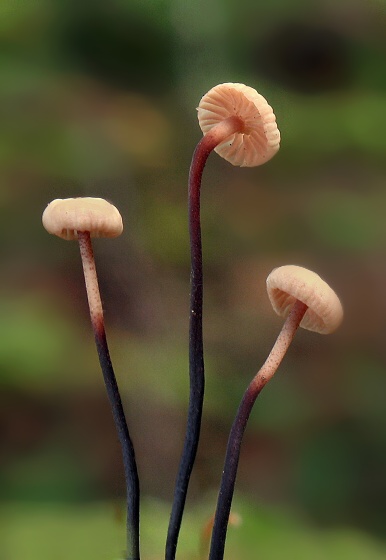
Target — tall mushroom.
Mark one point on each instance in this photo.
(82, 219)
(240, 126)
(307, 301)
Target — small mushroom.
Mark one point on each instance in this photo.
(307, 301)
(81, 219)
(287, 284)
(240, 126)
(65, 217)
(245, 121)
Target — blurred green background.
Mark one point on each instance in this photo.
(98, 99)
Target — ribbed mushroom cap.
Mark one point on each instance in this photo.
(287, 284)
(259, 139)
(65, 217)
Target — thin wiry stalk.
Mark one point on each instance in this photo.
(196, 352)
(129, 462)
(237, 431)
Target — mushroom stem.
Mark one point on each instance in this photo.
(130, 467)
(232, 456)
(213, 138)
(91, 281)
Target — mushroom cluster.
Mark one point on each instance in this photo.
(239, 124)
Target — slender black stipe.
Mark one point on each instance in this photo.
(196, 352)
(196, 355)
(131, 474)
(238, 427)
(129, 462)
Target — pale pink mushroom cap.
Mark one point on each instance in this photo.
(287, 284)
(65, 217)
(259, 139)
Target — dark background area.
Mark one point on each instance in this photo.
(98, 99)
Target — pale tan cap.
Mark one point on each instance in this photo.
(65, 217)
(260, 138)
(287, 284)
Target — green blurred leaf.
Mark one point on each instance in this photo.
(36, 340)
(92, 532)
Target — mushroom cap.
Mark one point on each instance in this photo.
(65, 217)
(260, 138)
(287, 284)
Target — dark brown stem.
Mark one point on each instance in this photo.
(130, 467)
(237, 431)
(213, 138)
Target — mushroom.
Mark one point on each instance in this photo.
(240, 126)
(82, 219)
(287, 284)
(306, 301)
